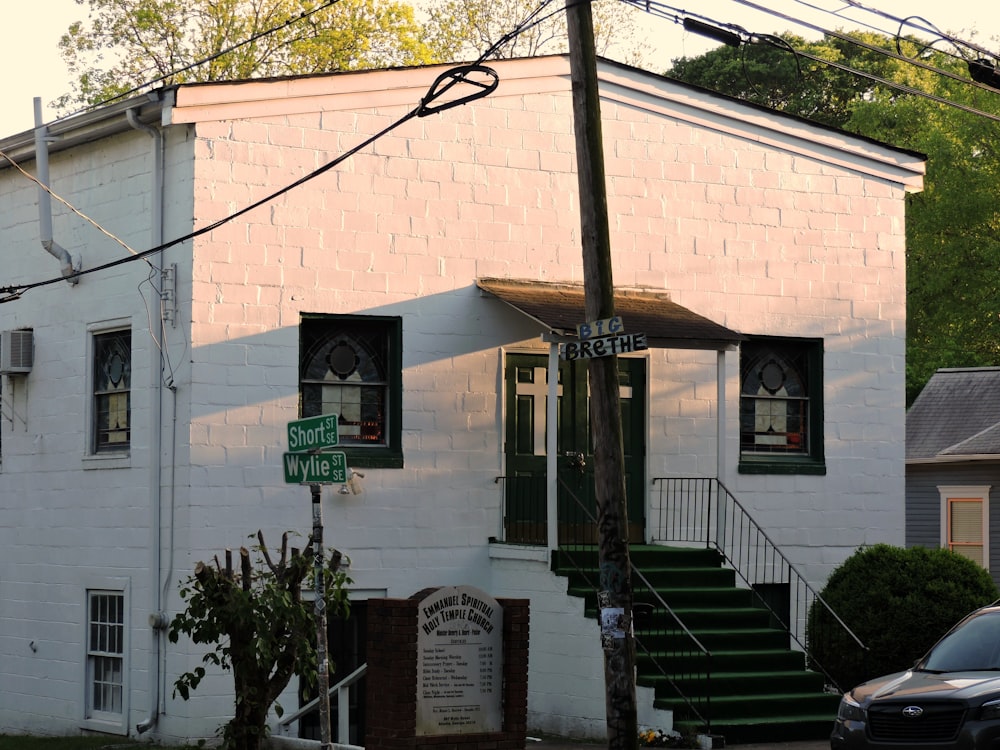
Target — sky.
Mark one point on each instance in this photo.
(33, 67)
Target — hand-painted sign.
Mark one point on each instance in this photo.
(624, 343)
(602, 338)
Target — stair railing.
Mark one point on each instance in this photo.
(654, 623)
(342, 692)
(702, 510)
(523, 509)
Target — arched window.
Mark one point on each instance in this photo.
(349, 366)
(780, 402)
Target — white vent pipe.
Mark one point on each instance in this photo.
(66, 264)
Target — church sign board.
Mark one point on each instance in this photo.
(459, 662)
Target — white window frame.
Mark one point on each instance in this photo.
(105, 459)
(979, 493)
(105, 721)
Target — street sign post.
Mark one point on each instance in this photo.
(313, 433)
(315, 468)
(305, 464)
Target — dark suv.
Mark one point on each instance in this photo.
(949, 700)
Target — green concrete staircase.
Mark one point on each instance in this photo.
(753, 687)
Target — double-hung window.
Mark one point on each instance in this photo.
(965, 521)
(112, 383)
(351, 366)
(105, 680)
(781, 406)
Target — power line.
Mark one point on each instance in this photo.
(658, 8)
(444, 83)
(859, 43)
(198, 63)
(70, 206)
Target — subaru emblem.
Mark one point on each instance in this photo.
(912, 712)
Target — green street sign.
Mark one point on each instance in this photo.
(315, 468)
(312, 433)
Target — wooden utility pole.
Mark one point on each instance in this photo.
(615, 595)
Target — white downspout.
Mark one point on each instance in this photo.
(158, 620)
(66, 263)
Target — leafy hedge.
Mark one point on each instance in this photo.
(898, 602)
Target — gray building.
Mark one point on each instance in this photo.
(953, 464)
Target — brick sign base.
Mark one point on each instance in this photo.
(392, 680)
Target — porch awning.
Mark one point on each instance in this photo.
(561, 308)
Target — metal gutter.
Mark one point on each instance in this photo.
(150, 109)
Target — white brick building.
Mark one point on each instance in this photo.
(133, 449)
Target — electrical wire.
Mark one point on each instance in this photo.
(946, 37)
(651, 4)
(861, 43)
(70, 206)
(439, 88)
(198, 63)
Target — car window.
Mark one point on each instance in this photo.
(975, 645)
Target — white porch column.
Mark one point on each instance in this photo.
(720, 430)
(720, 450)
(551, 447)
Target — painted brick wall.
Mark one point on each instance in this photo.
(763, 235)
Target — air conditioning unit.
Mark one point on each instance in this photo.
(17, 349)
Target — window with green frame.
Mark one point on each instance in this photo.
(112, 429)
(351, 366)
(781, 406)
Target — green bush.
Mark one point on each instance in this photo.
(898, 602)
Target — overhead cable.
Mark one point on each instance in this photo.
(859, 43)
(66, 203)
(653, 7)
(198, 63)
(440, 87)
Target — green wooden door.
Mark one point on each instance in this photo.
(525, 449)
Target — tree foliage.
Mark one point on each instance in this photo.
(898, 602)
(124, 44)
(463, 29)
(953, 246)
(259, 627)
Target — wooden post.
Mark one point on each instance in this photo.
(615, 595)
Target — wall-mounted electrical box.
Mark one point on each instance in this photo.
(17, 351)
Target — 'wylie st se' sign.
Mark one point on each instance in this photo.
(304, 464)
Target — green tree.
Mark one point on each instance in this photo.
(463, 29)
(953, 246)
(260, 628)
(898, 620)
(124, 44)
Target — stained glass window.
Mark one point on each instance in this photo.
(112, 391)
(781, 408)
(350, 366)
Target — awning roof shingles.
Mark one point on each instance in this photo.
(561, 308)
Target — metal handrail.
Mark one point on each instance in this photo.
(703, 510)
(343, 707)
(698, 651)
(523, 509)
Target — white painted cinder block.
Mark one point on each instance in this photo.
(761, 234)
